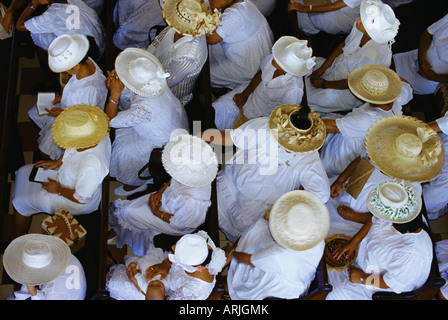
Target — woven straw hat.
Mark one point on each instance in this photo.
(35, 259)
(298, 220)
(379, 20)
(374, 83)
(294, 139)
(141, 72)
(405, 148)
(66, 51)
(190, 160)
(190, 17)
(395, 201)
(293, 55)
(80, 126)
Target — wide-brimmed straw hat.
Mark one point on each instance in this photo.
(35, 259)
(80, 126)
(298, 220)
(190, 160)
(293, 55)
(374, 83)
(190, 17)
(292, 138)
(141, 72)
(66, 51)
(379, 20)
(395, 201)
(405, 148)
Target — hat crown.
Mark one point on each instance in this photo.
(408, 145)
(80, 123)
(375, 81)
(37, 254)
(393, 195)
(143, 70)
(191, 250)
(379, 20)
(299, 219)
(188, 10)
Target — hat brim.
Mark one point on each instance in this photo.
(391, 94)
(23, 274)
(62, 136)
(378, 35)
(76, 58)
(277, 51)
(307, 143)
(379, 143)
(122, 63)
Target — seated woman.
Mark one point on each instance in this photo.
(427, 66)
(239, 44)
(271, 259)
(87, 85)
(154, 113)
(395, 251)
(190, 271)
(83, 132)
(337, 16)
(279, 81)
(368, 43)
(179, 207)
(182, 47)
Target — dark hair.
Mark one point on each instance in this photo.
(300, 119)
(208, 259)
(412, 225)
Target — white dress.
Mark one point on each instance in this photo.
(352, 57)
(136, 225)
(279, 272)
(403, 259)
(441, 248)
(80, 171)
(406, 63)
(247, 39)
(96, 5)
(342, 148)
(70, 285)
(133, 20)
(259, 173)
(182, 59)
(332, 22)
(61, 19)
(269, 94)
(89, 90)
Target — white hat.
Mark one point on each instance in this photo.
(191, 250)
(298, 220)
(379, 20)
(293, 55)
(66, 51)
(190, 17)
(35, 259)
(374, 83)
(395, 201)
(190, 160)
(141, 72)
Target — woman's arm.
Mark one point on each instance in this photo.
(8, 18)
(330, 125)
(338, 184)
(115, 87)
(240, 99)
(53, 186)
(213, 38)
(26, 15)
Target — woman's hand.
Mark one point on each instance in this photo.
(131, 271)
(32, 290)
(336, 188)
(7, 21)
(295, 5)
(355, 274)
(114, 84)
(154, 201)
(57, 99)
(54, 112)
(346, 250)
(48, 164)
(52, 186)
(161, 269)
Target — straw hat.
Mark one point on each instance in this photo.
(190, 160)
(141, 72)
(379, 20)
(331, 244)
(294, 139)
(395, 201)
(35, 259)
(293, 55)
(298, 220)
(190, 17)
(66, 51)
(374, 83)
(80, 126)
(405, 148)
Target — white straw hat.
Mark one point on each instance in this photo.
(292, 138)
(374, 83)
(190, 160)
(66, 51)
(190, 250)
(405, 148)
(141, 72)
(35, 259)
(190, 17)
(293, 55)
(379, 20)
(298, 220)
(395, 201)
